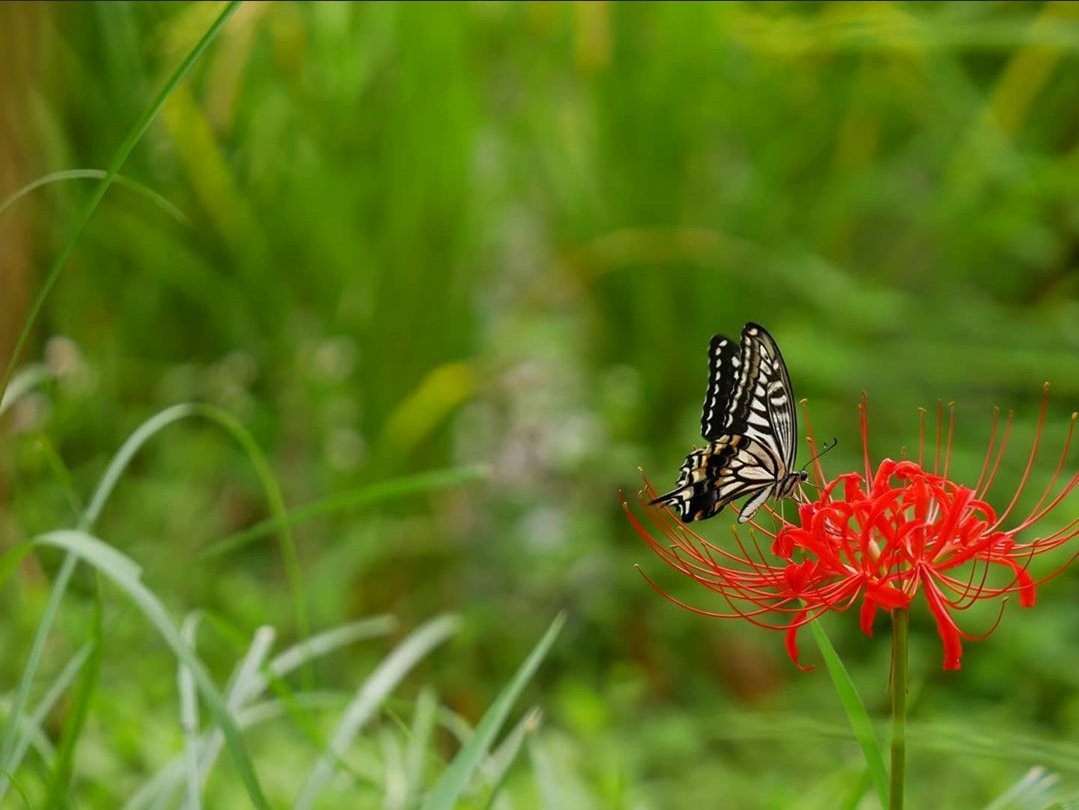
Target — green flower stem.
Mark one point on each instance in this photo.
(900, 621)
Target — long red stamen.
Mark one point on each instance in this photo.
(863, 418)
(1034, 515)
(921, 436)
(989, 450)
(948, 444)
(940, 429)
(818, 470)
(1030, 459)
(1000, 454)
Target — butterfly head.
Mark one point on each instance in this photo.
(786, 487)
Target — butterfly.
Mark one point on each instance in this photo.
(752, 429)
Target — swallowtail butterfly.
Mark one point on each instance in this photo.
(752, 429)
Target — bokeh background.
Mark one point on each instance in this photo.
(495, 239)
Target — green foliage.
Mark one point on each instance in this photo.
(447, 273)
(447, 792)
(860, 722)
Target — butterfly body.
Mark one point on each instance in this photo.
(749, 420)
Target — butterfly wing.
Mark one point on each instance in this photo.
(772, 419)
(729, 468)
(725, 371)
(749, 418)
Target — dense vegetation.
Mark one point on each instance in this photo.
(455, 267)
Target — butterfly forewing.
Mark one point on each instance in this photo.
(773, 398)
(749, 419)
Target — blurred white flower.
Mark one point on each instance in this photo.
(65, 362)
(28, 412)
(334, 358)
(345, 449)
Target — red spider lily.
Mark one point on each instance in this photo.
(878, 538)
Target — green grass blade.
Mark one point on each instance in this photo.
(63, 475)
(124, 574)
(245, 686)
(20, 791)
(370, 695)
(163, 785)
(31, 730)
(33, 659)
(64, 770)
(449, 788)
(276, 502)
(160, 790)
(247, 682)
(189, 714)
(109, 479)
(22, 383)
(500, 762)
(393, 785)
(9, 745)
(96, 174)
(243, 437)
(322, 644)
(857, 791)
(423, 726)
(1031, 790)
(122, 153)
(455, 724)
(855, 709)
(200, 750)
(548, 785)
(122, 458)
(354, 498)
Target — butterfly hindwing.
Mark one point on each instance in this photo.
(712, 477)
(724, 364)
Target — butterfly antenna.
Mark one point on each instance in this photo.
(828, 446)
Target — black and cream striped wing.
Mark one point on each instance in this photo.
(749, 420)
(770, 417)
(729, 468)
(725, 374)
(749, 392)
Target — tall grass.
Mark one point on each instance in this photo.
(445, 274)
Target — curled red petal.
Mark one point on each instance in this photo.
(866, 616)
(791, 641)
(800, 576)
(887, 596)
(946, 627)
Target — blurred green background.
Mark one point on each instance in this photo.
(397, 238)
